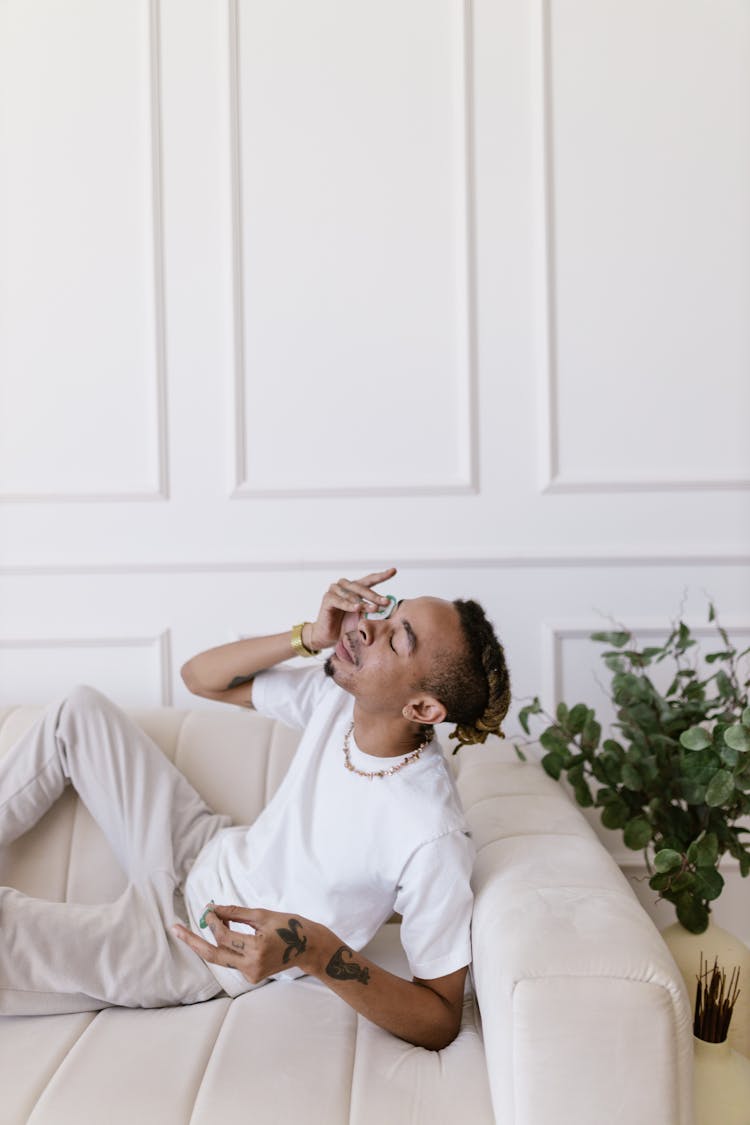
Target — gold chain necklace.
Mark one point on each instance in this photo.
(393, 769)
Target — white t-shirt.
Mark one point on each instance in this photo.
(344, 850)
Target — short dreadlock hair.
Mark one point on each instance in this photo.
(473, 685)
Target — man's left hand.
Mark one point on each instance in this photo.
(280, 941)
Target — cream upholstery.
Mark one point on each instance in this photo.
(584, 1017)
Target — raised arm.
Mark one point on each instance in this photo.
(225, 673)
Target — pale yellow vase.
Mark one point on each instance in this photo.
(721, 1084)
(715, 942)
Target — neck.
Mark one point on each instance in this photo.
(385, 736)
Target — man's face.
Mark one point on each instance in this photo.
(380, 662)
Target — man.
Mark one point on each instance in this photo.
(366, 821)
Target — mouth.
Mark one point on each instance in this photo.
(343, 652)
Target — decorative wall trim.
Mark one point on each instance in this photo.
(160, 341)
(242, 488)
(161, 492)
(358, 562)
(560, 483)
(162, 640)
(635, 861)
(547, 319)
(552, 480)
(244, 492)
(82, 497)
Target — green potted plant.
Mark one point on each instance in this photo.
(675, 774)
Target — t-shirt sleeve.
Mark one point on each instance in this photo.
(435, 900)
(290, 694)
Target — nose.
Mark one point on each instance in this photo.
(367, 630)
(358, 623)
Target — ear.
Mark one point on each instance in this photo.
(424, 709)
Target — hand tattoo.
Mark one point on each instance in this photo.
(340, 969)
(238, 944)
(294, 943)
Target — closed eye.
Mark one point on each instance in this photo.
(394, 623)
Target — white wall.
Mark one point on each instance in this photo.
(294, 290)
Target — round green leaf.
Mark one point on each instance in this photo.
(724, 685)
(684, 881)
(613, 747)
(745, 718)
(704, 852)
(708, 882)
(692, 913)
(577, 717)
(667, 860)
(618, 639)
(606, 796)
(591, 733)
(631, 779)
(583, 795)
(695, 739)
(615, 815)
(637, 833)
(575, 773)
(729, 756)
(720, 788)
(700, 766)
(554, 740)
(552, 763)
(693, 791)
(738, 738)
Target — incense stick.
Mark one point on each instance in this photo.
(713, 1009)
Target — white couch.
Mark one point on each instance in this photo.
(578, 1014)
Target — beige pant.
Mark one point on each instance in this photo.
(63, 957)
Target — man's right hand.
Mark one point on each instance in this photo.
(225, 673)
(355, 596)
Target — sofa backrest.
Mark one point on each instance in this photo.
(234, 758)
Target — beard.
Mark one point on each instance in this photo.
(328, 667)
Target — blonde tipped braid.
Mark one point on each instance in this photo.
(490, 722)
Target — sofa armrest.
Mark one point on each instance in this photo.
(585, 1016)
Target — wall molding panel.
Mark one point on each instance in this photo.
(160, 489)
(158, 644)
(245, 485)
(553, 478)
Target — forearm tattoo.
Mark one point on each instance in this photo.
(238, 681)
(341, 969)
(294, 943)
